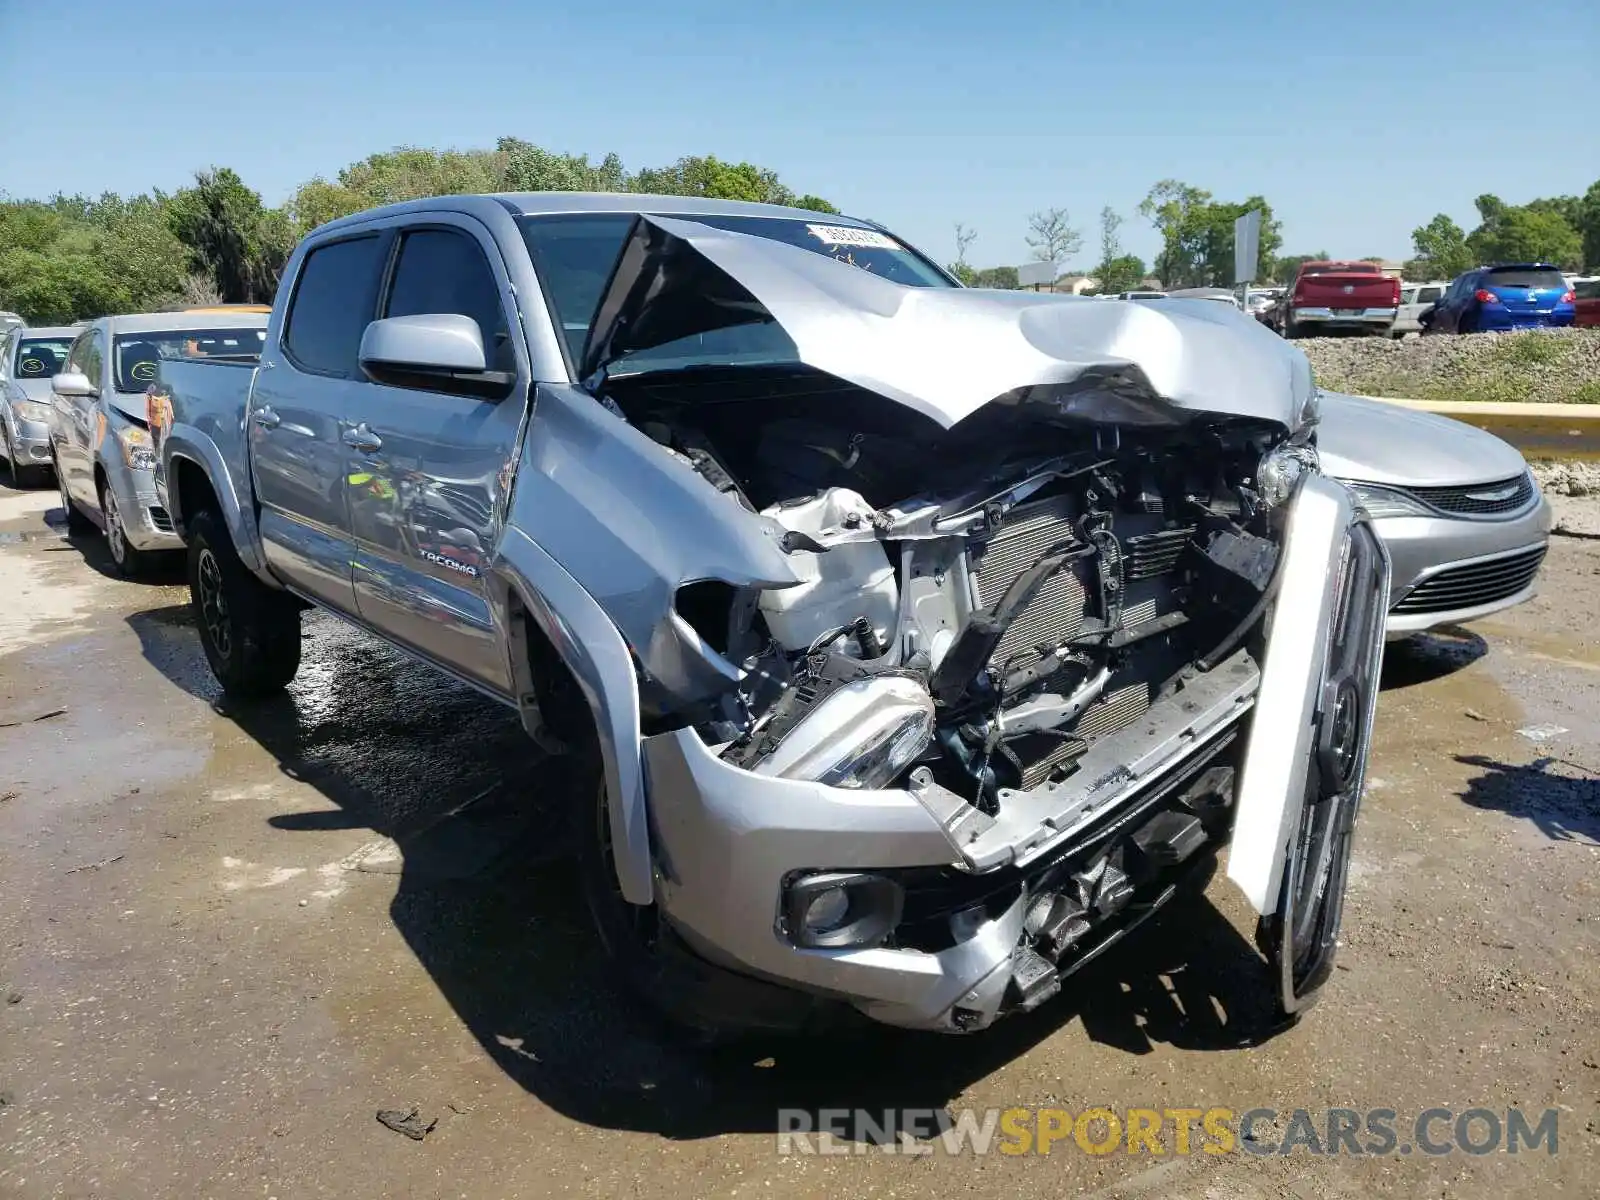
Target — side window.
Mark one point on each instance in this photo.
(86, 355)
(443, 271)
(332, 306)
(1428, 295)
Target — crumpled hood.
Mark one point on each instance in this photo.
(947, 352)
(1373, 442)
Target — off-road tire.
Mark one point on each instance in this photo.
(250, 632)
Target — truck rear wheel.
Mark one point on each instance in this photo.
(250, 632)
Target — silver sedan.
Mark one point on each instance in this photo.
(28, 358)
(1464, 521)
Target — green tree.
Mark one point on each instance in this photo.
(1197, 234)
(1588, 225)
(814, 204)
(997, 277)
(1284, 268)
(1116, 271)
(231, 236)
(1524, 234)
(1441, 249)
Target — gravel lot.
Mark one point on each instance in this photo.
(1556, 365)
(229, 938)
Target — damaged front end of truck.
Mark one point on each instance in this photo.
(1000, 615)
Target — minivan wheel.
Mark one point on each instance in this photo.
(130, 560)
(250, 632)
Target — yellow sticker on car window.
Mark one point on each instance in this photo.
(144, 371)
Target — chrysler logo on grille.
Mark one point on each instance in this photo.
(1492, 495)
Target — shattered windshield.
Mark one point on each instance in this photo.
(574, 253)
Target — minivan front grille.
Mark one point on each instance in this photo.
(1479, 499)
(1472, 584)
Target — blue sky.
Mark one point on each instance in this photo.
(1358, 120)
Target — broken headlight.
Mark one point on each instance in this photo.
(1280, 470)
(863, 735)
(137, 451)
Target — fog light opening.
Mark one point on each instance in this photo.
(839, 909)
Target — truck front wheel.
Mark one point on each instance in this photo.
(249, 631)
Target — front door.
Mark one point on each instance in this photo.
(75, 418)
(430, 466)
(305, 386)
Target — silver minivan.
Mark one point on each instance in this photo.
(99, 431)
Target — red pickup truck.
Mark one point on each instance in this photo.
(1331, 296)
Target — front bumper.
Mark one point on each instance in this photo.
(1350, 318)
(1448, 570)
(145, 520)
(30, 441)
(728, 841)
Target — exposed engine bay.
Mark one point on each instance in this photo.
(978, 606)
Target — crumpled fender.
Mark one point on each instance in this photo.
(631, 523)
(592, 649)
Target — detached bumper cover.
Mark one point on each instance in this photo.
(727, 840)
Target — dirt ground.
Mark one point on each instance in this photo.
(229, 938)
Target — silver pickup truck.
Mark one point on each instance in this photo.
(919, 642)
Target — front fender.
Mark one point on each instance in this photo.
(188, 442)
(593, 650)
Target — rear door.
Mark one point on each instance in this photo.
(430, 462)
(307, 383)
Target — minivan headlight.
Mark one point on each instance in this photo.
(31, 410)
(1387, 502)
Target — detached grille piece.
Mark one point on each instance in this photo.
(1474, 583)
(1479, 499)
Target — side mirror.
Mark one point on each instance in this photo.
(73, 383)
(439, 352)
(444, 342)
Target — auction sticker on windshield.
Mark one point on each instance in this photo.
(843, 235)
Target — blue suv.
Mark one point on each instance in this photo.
(1511, 296)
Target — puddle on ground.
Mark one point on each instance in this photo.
(18, 537)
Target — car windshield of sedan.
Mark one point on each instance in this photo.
(40, 358)
(138, 355)
(574, 254)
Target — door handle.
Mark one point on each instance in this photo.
(363, 439)
(265, 418)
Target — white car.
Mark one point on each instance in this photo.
(1414, 297)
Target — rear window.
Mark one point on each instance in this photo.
(333, 304)
(1428, 295)
(40, 358)
(1588, 289)
(1526, 277)
(138, 355)
(1357, 268)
